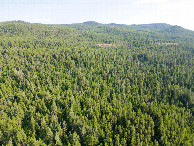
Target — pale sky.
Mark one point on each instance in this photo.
(175, 12)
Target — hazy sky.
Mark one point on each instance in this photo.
(175, 12)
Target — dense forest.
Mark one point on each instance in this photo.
(96, 84)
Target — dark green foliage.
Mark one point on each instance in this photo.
(94, 84)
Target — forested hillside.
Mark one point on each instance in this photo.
(96, 84)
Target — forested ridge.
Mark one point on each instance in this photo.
(96, 84)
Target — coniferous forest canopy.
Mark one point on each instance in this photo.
(96, 84)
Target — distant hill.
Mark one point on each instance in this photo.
(154, 26)
(107, 32)
(92, 23)
(151, 31)
(162, 28)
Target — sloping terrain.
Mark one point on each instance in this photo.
(96, 84)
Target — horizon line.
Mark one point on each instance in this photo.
(93, 22)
